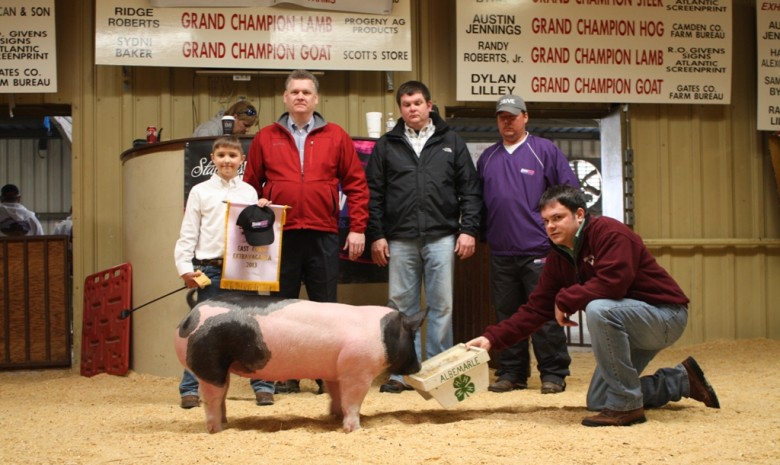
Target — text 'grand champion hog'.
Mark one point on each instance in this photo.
(278, 339)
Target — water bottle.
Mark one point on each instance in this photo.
(390, 124)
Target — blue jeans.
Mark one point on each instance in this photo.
(189, 383)
(429, 262)
(626, 334)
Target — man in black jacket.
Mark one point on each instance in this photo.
(424, 209)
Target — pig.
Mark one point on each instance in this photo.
(277, 339)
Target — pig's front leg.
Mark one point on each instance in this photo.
(214, 400)
(352, 395)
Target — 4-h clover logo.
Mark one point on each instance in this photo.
(463, 387)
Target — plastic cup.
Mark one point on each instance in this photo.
(374, 123)
(228, 123)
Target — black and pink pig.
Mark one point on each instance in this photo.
(278, 339)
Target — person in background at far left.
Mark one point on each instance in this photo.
(244, 113)
(15, 218)
(65, 227)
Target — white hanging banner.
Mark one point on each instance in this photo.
(379, 7)
(626, 51)
(132, 33)
(28, 52)
(768, 61)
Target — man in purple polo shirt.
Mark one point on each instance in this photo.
(515, 173)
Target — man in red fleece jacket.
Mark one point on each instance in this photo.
(300, 161)
(633, 307)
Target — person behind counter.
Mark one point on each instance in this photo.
(244, 113)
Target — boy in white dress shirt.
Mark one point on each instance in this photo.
(201, 243)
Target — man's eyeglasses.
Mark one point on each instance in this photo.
(249, 112)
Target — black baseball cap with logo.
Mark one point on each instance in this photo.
(258, 225)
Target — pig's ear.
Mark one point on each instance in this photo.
(413, 323)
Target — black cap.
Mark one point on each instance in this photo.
(258, 225)
(10, 192)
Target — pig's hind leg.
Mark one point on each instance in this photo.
(214, 400)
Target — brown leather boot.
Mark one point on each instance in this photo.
(188, 402)
(609, 417)
(700, 388)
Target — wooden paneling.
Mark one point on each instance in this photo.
(35, 301)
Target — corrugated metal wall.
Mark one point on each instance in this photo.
(702, 172)
(42, 171)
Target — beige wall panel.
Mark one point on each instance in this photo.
(686, 270)
(684, 190)
(765, 200)
(104, 169)
(367, 93)
(717, 175)
(772, 266)
(75, 28)
(201, 104)
(437, 38)
(148, 88)
(740, 124)
(69, 16)
(333, 101)
(717, 301)
(181, 106)
(744, 179)
(346, 97)
(271, 103)
(750, 297)
(690, 265)
(650, 182)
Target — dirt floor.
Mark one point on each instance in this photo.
(59, 417)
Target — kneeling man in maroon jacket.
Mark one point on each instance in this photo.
(633, 307)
